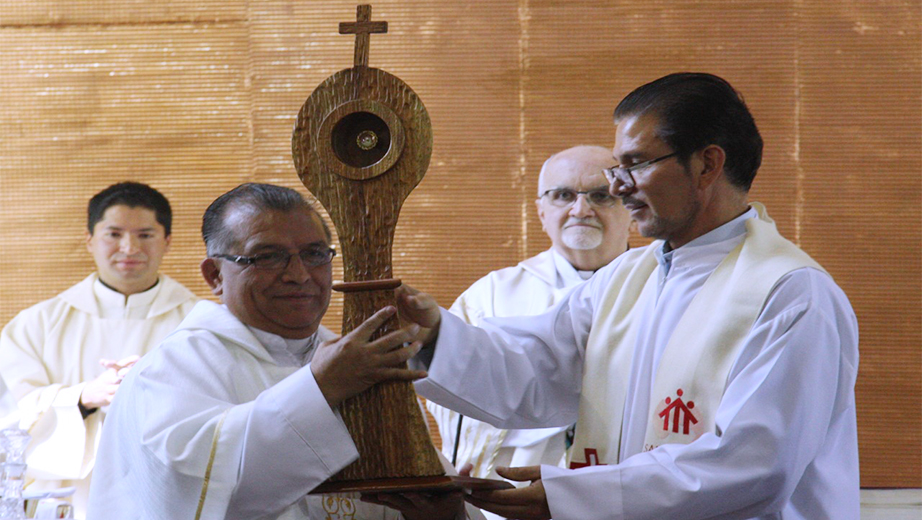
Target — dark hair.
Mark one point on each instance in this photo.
(695, 110)
(133, 195)
(219, 239)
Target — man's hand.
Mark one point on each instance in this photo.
(422, 506)
(421, 309)
(351, 364)
(100, 391)
(528, 503)
(122, 366)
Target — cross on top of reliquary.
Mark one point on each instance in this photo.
(362, 28)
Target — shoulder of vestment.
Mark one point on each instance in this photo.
(47, 311)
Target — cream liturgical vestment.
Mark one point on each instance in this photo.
(51, 349)
(529, 288)
(239, 405)
(761, 424)
(9, 412)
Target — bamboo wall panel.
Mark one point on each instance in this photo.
(195, 98)
(625, 46)
(49, 13)
(860, 171)
(86, 107)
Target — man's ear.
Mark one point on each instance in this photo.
(89, 236)
(212, 274)
(713, 158)
(540, 207)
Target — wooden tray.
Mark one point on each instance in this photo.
(438, 484)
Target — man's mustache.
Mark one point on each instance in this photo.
(627, 200)
(588, 221)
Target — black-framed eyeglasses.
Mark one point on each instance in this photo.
(313, 257)
(625, 175)
(566, 197)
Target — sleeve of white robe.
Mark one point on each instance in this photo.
(788, 390)
(292, 442)
(523, 372)
(60, 447)
(269, 452)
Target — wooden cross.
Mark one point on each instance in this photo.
(362, 28)
(363, 192)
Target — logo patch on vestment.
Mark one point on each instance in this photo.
(680, 412)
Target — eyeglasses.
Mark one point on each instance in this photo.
(625, 176)
(565, 197)
(314, 257)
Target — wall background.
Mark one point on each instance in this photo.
(197, 97)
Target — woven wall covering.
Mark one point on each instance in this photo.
(195, 98)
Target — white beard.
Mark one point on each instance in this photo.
(581, 237)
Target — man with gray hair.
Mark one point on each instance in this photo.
(588, 228)
(235, 414)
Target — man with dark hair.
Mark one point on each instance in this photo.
(710, 374)
(235, 414)
(65, 357)
(133, 195)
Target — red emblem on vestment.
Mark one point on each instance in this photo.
(592, 459)
(680, 413)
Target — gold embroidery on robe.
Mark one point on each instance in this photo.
(338, 508)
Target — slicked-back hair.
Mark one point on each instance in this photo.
(695, 110)
(133, 195)
(259, 197)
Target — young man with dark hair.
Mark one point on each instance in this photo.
(133, 195)
(65, 358)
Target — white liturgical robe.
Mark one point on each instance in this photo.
(9, 412)
(784, 441)
(50, 350)
(238, 404)
(529, 288)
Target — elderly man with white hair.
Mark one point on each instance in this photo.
(588, 228)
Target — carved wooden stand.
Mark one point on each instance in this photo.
(362, 142)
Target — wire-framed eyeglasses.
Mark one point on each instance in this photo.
(566, 197)
(625, 175)
(313, 257)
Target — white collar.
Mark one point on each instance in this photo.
(113, 303)
(715, 244)
(567, 275)
(285, 351)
